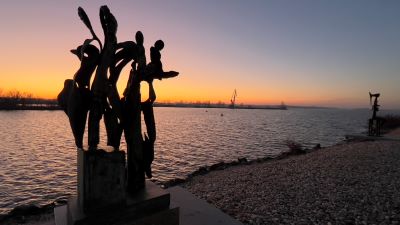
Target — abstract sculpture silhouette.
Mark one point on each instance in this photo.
(375, 123)
(75, 98)
(102, 100)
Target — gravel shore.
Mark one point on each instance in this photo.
(353, 183)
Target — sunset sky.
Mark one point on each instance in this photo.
(326, 53)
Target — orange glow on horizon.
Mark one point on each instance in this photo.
(187, 87)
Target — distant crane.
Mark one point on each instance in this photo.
(233, 100)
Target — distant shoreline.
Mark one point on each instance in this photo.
(221, 106)
(18, 108)
(169, 105)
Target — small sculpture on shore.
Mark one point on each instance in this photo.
(78, 98)
(375, 123)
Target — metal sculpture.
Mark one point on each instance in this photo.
(102, 100)
(375, 123)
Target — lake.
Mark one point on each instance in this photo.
(38, 156)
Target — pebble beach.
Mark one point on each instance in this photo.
(351, 183)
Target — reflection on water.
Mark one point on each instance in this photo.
(38, 157)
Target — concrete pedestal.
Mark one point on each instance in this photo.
(149, 206)
(101, 179)
(103, 200)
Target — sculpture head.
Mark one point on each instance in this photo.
(373, 95)
(108, 21)
(159, 45)
(86, 51)
(139, 38)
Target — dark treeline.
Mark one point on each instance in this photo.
(16, 100)
(208, 104)
(198, 104)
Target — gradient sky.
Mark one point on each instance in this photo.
(327, 53)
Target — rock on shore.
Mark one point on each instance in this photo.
(354, 183)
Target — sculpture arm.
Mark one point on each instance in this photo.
(164, 75)
(152, 93)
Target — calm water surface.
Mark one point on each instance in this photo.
(38, 157)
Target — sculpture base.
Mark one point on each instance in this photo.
(101, 179)
(149, 206)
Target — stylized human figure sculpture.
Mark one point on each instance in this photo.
(75, 98)
(140, 53)
(100, 83)
(102, 97)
